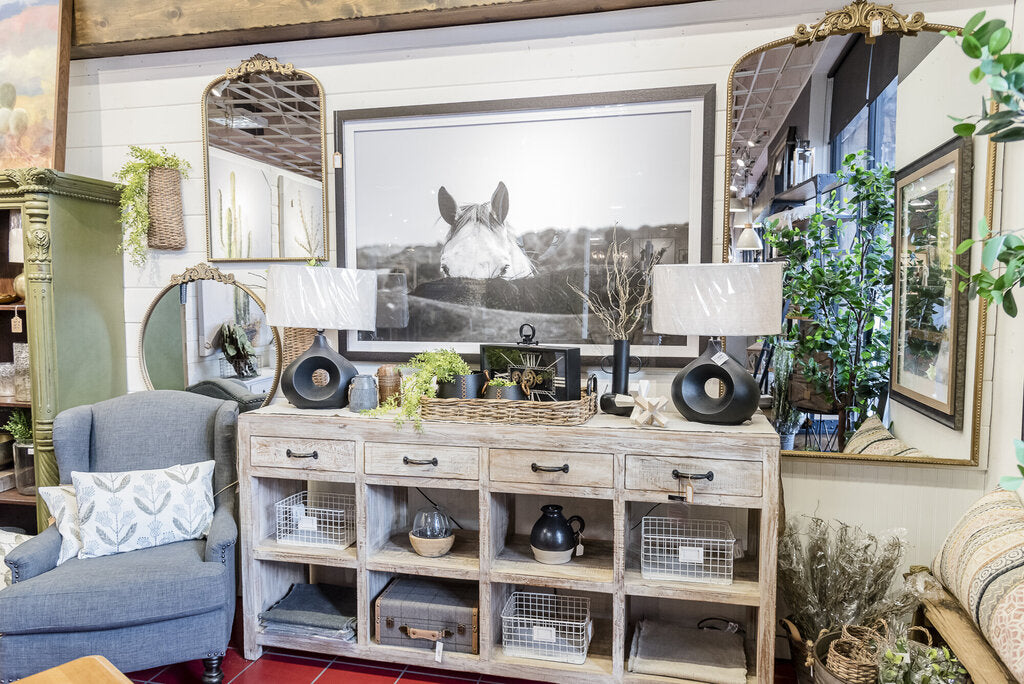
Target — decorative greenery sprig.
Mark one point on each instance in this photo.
(1010, 482)
(1004, 248)
(235, 343)
(134, 177)
(442, 364)
(20, 426)
(785, 418)
(500, 382)
(910, 662)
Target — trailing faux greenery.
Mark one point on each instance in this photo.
(19, 425)
(442, 365)
(911, 662)
(134, 177)
(833, 574)
(500, 382)
(845, 292)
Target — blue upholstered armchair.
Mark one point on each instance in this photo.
(143, 608)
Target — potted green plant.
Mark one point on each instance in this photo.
(502, 388)
(238, 350)
(19, 425)
(151, 210)
(455, 379)
(839, 278)
(431, 370)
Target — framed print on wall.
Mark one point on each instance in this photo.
(35, 39)
(929, 323)
(478, 215)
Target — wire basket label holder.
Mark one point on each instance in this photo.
(687, 550)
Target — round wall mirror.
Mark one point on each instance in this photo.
(206, 333)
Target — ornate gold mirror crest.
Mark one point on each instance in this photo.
(872, 21)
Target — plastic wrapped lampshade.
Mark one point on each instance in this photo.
(321, 297)
(717, 299)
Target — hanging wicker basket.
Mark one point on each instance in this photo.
(166, 223)
(294, 342)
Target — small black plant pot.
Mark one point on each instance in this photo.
(462, 387)
(513, 393)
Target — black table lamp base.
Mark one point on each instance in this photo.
(736, 405)
(297, 379)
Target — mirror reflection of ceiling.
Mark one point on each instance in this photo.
(268, 117)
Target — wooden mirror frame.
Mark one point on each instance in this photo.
(857, 17)
(259, 63)
(191, 275)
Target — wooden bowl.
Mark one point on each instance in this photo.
(431, 548)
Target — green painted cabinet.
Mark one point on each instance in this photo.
(74, 299)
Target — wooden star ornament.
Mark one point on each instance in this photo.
(648, 411)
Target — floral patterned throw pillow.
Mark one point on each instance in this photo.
(64, 507)
(139, 509)
(8, 540)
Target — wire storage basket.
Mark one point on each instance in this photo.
(688, 550)
(317, 519)
(546, 627)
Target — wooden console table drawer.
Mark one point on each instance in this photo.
(731, 478)
(552, 467)
(303, 454)
(422, 460)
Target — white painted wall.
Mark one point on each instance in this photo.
(153, 100)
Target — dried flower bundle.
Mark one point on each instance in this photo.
(622, 307)
(833, 574)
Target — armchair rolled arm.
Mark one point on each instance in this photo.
(35, 556)
(223, 534)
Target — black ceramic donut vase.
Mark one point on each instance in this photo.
(297, 380)
(738, 401)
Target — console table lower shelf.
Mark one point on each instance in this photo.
(483, 474)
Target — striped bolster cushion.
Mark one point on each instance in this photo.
(982, 564)
(873, 439)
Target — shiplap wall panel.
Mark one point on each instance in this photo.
(154, 100)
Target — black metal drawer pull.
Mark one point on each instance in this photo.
(296, 454)
(417, 461)
(549, 469)
(709, 476)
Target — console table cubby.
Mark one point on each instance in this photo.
(620, 472)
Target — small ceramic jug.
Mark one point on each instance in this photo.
(553, 538)
(362, 393)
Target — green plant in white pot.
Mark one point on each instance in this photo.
(19, 425)
(151, 213)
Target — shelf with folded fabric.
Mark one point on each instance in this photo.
(311, 605)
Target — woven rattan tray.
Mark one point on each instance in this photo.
(510, 412)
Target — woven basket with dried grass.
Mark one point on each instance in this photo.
(166, 225)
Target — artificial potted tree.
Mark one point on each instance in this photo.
(839, 278)
(19, 425)
(151, 208)
(238, 350)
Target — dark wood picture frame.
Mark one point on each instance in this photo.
(955, 155)
(702, 221)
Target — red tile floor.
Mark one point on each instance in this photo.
(290, 668)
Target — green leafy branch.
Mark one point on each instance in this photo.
(1004, 248)
(134, 179)
(442, 364)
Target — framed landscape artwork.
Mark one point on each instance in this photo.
(478, 216)
(929, 330)
(35, 38)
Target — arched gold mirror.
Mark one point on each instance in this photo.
(865, 77)
(265, 164)
(192, 339)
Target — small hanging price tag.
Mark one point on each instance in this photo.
(336, 160)
(579, 546)
(16, 323)
(438, 651)
(720, 358)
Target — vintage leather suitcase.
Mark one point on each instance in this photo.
(417, 613)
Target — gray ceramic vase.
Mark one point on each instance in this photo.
(362, 393)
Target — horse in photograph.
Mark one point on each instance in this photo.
(479, 244)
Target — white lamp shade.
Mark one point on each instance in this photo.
(321, 297)
(717, 299)
(15, 242)
(749, 240)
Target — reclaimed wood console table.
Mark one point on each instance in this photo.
(615, 469)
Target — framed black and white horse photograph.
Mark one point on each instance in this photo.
(481, 216)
